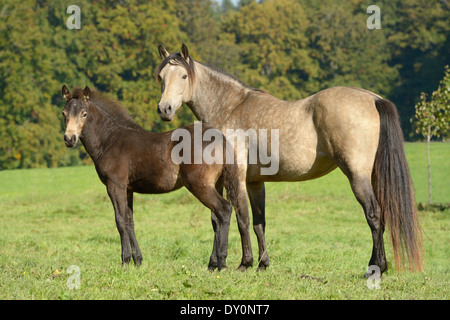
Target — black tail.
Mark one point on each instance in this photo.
(393, 189)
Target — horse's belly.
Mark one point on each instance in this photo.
(295, 163)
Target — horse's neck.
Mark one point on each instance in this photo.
(215, 96)
(98, 133)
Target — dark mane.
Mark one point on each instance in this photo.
(111, 108)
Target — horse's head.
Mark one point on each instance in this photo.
(75, 114)
(176, 76)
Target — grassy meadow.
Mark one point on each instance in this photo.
(319, 243)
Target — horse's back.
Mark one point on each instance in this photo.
(318, 131)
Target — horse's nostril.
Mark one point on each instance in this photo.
(158, 109)
(70, 140)
(169, 108)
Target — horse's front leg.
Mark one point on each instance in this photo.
(135, 251)
(257, 195)
(220, 216)
(118, 196)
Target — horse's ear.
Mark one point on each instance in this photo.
(163, 53)
(65, 92)
(86, 93)
(185, 52)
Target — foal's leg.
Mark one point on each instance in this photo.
(135, 251)
(257, 195)
(213, 259)
(118, 198)
(362, 188)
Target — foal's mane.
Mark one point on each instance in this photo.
(109, 107)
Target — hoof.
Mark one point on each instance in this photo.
(212, 268)
(137, 262)
(222, 269)
(373, 270)
(243, 267)
(263, 266)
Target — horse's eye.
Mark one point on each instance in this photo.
(184, 76)
(84, 114)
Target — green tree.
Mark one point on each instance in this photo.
(273, 47)
(200, 20)
(418, 39)
(292, 48)
(432, 118)
(115, 51)
(30, 127)
(347, 52)
(296, 48)
(227, 5)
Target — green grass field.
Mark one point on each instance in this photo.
(318, 241)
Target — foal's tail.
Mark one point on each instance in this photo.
(393, 189)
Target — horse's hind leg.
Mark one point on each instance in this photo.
(257, 195)
(362, 188)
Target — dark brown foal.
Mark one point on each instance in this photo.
(129, 159)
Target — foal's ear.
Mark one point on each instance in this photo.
(163, 53)
(65, 93)
(86, 93)
(185, 52)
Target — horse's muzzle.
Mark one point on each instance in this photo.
(70, 141)
(166, 113)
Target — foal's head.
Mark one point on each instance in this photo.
(176, 76)
(75, 114)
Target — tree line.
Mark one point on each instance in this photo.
(291, 48)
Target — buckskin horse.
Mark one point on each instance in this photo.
(346, 127)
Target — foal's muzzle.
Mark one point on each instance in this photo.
(70, 141)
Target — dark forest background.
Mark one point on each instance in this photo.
(291, 48)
